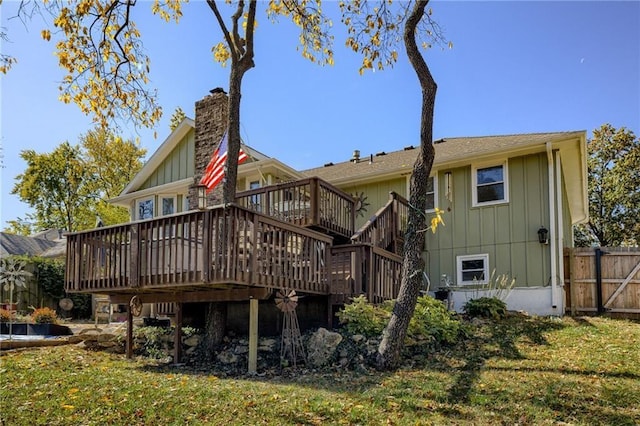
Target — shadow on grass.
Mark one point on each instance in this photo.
(573, 372)
(495, 340)
(583, 321)
(448, 384)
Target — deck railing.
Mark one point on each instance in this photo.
(387, 227)
(309, 202)
(363, 269)
(222, 246)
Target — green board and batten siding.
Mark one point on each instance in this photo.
(506, 232)
(176, 166)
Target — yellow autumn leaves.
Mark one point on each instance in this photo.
(316, 42)
(436, 220)
(99, 47)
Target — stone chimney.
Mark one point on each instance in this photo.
(211, 123)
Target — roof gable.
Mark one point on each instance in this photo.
(163, 151)
(147, 177)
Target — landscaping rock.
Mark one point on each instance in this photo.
(75, 339)
(106, 337)
(358, 338)
(227, 357)
(192, 341)
(267, 345)
(241, 350)
(321, 347)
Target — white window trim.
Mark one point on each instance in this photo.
(161, 198)
(474, 183)
(435, 193)
(141, 200)
(460, 259)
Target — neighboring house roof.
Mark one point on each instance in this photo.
(462, 151)
(12, 244)
(59, 250)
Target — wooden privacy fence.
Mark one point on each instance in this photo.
(602, 279)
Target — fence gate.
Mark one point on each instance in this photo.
(603, 279)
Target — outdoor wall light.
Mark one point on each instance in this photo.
(201, 191)
(543, 235)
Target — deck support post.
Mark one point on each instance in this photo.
(129, 332)
(253, 336)
(177, 337)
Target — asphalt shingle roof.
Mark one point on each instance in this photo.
(447, 150)
(12, 244)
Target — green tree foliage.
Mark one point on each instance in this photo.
(20, 226)
(176, 118)
(113, 162)
(58, 187)
(69, 187)
(614, 191)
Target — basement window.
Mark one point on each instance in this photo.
(472, 269)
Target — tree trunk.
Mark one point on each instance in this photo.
(241, 51)
(215, 326)
(413, 266)
(241, 62)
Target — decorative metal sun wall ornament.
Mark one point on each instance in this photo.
(361, 203)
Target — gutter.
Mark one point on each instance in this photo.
(552, 226)
(560, 250)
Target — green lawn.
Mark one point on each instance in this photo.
(519, 371)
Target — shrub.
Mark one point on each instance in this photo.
(5, 315)
(431, 320)
(486, 307)
(151, 340)
(44, 316)
(362, 317)
(497, 286)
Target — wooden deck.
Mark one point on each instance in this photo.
(311, 203)
(387, 227)
(235, 253)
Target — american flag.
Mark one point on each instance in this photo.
(214, 172)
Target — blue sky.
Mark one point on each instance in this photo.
(515, 67)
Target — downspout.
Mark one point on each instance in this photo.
(560, 225)
(552, 226)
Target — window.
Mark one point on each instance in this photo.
(145, 209)
(168, 204)
(255, 199)
(472, 269)
(490, 184)
(432, 193)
